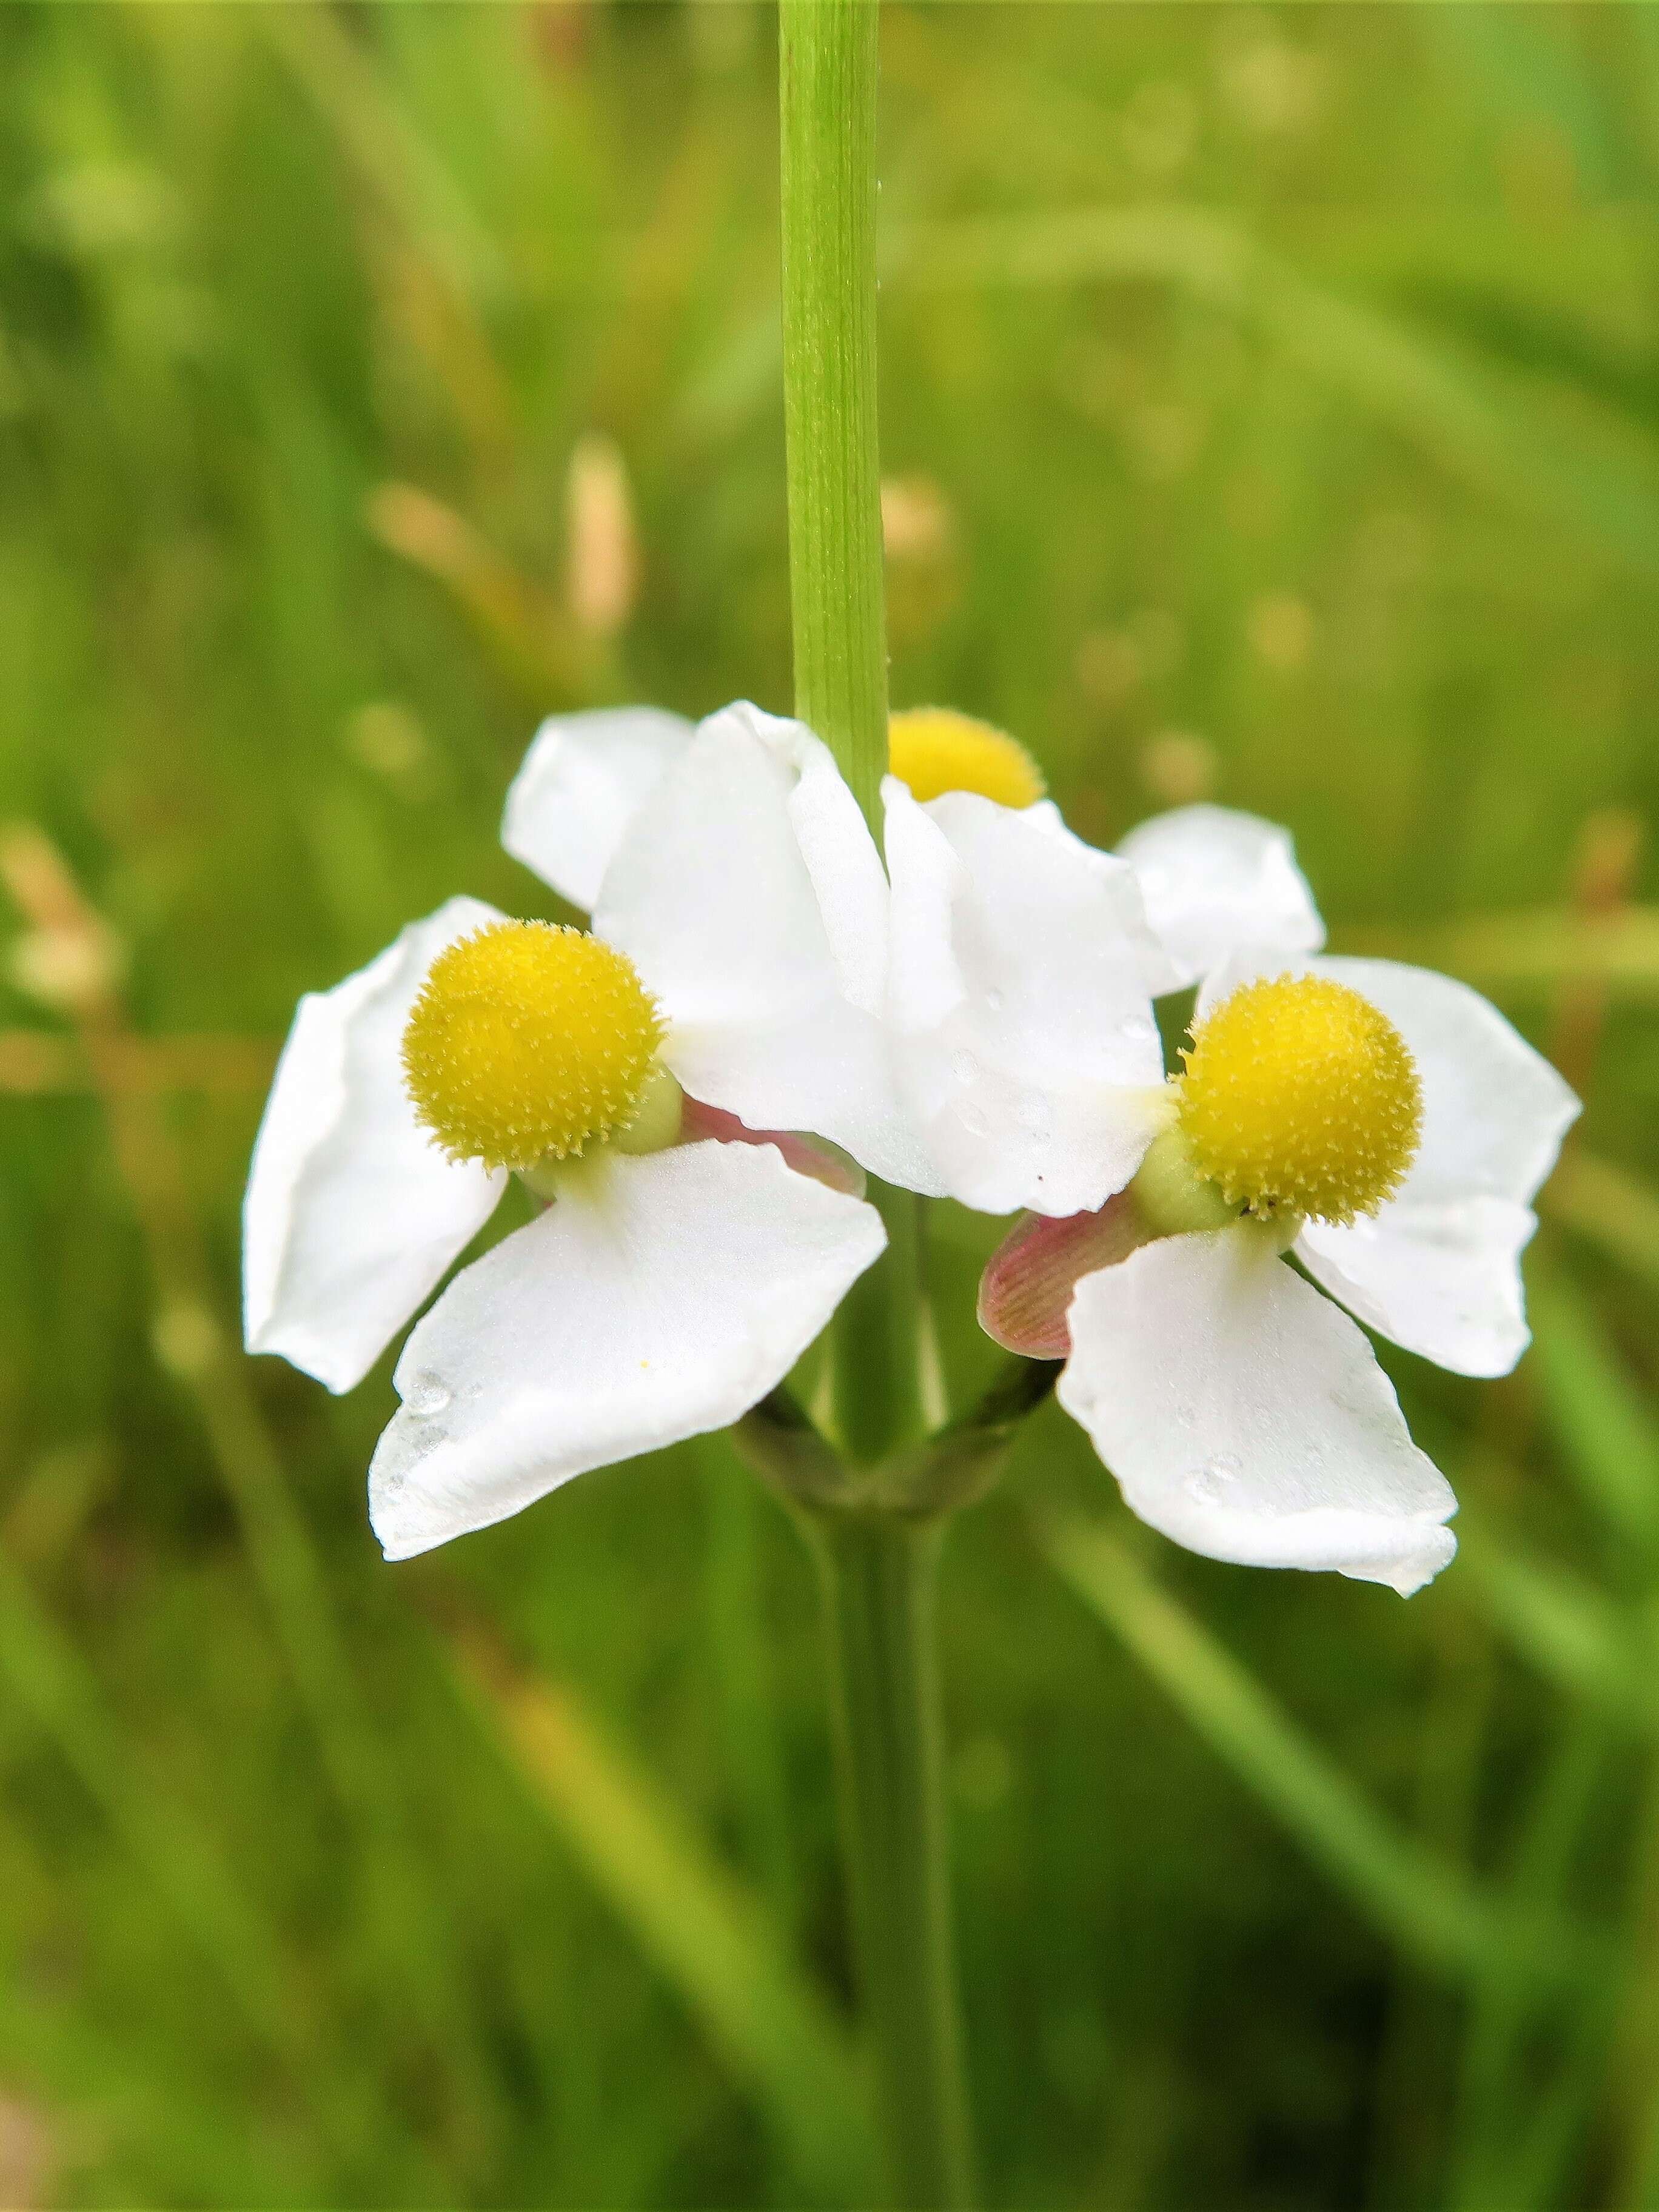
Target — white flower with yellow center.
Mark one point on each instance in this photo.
(972, 1018)
(1384, 1126)
(667, 1286)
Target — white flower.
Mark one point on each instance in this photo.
(974, 1019)
(661, 1294)
(1383, 1124)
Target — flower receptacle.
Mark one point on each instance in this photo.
(655, 1121)
(1175, 1197)
(654, 1125)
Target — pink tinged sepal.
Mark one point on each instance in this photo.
(1026, 1289)
(809, 1156)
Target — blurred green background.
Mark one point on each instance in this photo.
(1271, 410)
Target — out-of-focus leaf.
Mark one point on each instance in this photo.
(1526, 62)
(93, 2083)
(359, 104)
(530, 639)
(1494, 2161)
(710, 1940)
(1610, 1207)
(1606, 1428)
(1535, 953)
(1493, 433)
(185, 1866)
(1571, 1632)
(1422, 1904)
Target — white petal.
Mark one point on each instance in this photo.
(1443, 1278)
(749, 894)
(656, 1299)
(1213, 879)
(1246, 1417)
(1024, 1041)
(352, 1213)
(1437, 1268)
(848, 877)
(583, 779)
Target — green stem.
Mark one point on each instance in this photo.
(827, 130)
(878, 1570)
(878, 1594)
(875, 1347)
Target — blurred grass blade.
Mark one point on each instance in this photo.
(1535, 952)
(1209, 256)
(402, 1906)
(1491, 432)
(1636, 2072)
(1603, 1424)
(742, 1659)
(1611, 1208)
(1424, 1906)
(82, 2067)
(530, 640)
(1492, 2160)
(1566, 1631)
(185, 1866)
(354, 94)
(708, 1937)
(438, 267)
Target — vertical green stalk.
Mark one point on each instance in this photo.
(878, 1570)
(876, 1350)
(879, 1577)
(827, 150)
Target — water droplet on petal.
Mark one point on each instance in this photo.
(427, 1397)
(1208, 1484)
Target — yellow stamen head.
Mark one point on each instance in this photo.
(1299, 1096)
(527, 1041)
(935, 749)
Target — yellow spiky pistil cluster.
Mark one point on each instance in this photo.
(529, 1040)
(1299, 1096)
(935, 749)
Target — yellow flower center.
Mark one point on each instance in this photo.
(527, 1040)
(935, 749)
(1299, 1096)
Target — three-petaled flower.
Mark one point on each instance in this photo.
(1382, 1125)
